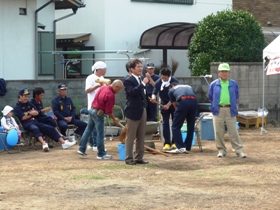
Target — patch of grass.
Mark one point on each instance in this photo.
(88, 176)
(66, 169)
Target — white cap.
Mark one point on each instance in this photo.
(6, 110)
(98, 65)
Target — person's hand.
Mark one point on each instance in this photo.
(33, 112)
(47, 109)
(54, 117)
(68, 119)
(148, 75)
(116, 121)
(145, 80)
(165, 107)
(153, 100)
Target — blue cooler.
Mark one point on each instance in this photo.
(207, 128)
(184, 136)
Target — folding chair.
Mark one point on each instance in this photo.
(26, 136)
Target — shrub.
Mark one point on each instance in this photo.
(228, 36)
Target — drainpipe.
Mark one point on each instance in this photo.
(54, 31)
(36, 36)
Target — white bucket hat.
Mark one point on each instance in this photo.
(6, 110)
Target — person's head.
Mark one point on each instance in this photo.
(62, 89)
(7, 111)
(136, 67)
(150, 68)
(165, 73)
(173, 84)
(23, 95)
(127, 67)
(99, 68)
(38, 93)
(223, 71)
(117, 85)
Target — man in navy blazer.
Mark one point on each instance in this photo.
(135, 113)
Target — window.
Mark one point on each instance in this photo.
(188, 2)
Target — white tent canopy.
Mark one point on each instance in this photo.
(273, 49)
(271, 52)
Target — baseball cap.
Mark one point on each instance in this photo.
(150, 65)
(224, 67)
(24, 92)
(6, 110)
(98, 65)
(62, 86)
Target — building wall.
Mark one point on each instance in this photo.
(118, 25)
(17, 37)
(248, 75)
(263, 10)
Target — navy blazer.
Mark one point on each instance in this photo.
(134, 100)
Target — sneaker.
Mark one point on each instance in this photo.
(67, 144)
(89, 147)
(177, 151)
(241, 154)
(81, 153)
(166, 147)
(173, 146)
(46, 148)
(96, 150)
(221, 154)
(72, 139)
(105, 157)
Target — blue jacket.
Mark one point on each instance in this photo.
(214, 92)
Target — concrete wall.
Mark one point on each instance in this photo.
(248, 75)
(76, 90)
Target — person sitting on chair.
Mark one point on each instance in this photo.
(8, 122)
(26, 113)
(38, 95)
(65, 111)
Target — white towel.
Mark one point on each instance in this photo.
(165, 84)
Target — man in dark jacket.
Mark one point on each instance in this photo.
(135, 113)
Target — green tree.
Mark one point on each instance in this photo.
(228, 36)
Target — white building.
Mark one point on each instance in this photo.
(97, 25)
(119, 24)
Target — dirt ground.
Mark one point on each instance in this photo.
(62, 179)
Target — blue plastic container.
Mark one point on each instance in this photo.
(207, 129)
(3, 137)
(184, 136)
(121, 151)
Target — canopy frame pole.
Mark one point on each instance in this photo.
(262, 128)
